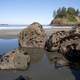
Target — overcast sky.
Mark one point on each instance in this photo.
(28, 11)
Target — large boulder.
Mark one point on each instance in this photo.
(59, 40)
(70, 41)
(66, 43)
(33, 36)
(15, 59)
(70, 48)
(53, 43)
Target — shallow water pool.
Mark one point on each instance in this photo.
(41, 67)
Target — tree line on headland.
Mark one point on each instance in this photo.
(66, 16)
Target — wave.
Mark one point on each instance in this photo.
(45, 27)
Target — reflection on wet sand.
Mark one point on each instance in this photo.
(40, 68)
(59, 62)
(36, 54)
(57, 59)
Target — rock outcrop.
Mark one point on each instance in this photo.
(59, 22)
(61, 39)
(66, 17)
(33, 36)
(63, 22)
(15, 59)
(70, 48)
(53, 43)
(66, 43)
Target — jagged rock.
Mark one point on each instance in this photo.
(33, 36)
(15, 59)
(70, 41)
(61, 39)
(53, 43)
(70, 48)
(67, 43)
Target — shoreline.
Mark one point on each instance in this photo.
(63, 25)
(13, 33)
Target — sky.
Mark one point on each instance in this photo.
(28, 11)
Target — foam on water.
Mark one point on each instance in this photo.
(22, 27)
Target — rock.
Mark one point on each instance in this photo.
(53, 43)
(33, 36)
(22, 78)
(72, 54)
(67, 44)
(70, 41)
(16, 59)
(59, 22)
(64, 21)
(61, 39)
(70, 48)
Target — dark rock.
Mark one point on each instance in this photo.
(33, 36)
(22, 78)
(67, 44)
(70, 41)
(53, 43)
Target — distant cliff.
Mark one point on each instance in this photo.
(66, 16)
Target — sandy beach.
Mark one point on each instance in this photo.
(13, 33)
(9, 33)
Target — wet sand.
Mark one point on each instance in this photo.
(40, 69)
(9, 33)
(13, 33)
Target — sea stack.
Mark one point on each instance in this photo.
(33, 36)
